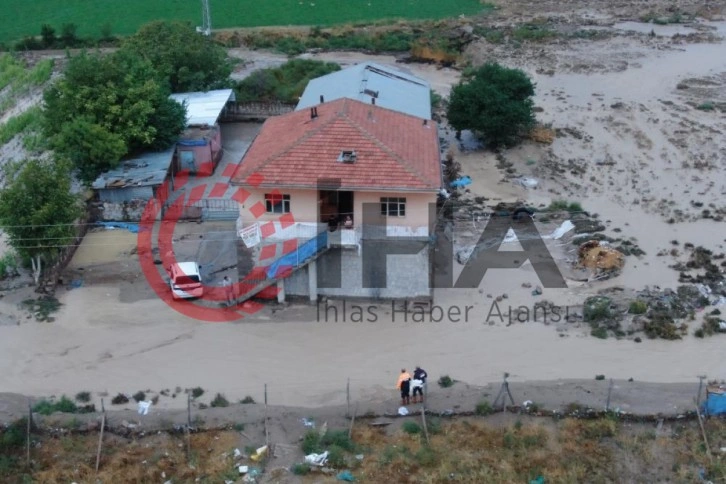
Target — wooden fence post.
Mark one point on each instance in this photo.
(100, 442)
(610, 390)
(29, 428)
(267, 433)
(347, 398)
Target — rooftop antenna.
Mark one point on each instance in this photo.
(206, 28)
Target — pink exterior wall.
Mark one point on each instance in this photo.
(304, 206)
(205, 156)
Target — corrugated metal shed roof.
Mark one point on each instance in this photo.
(204, 107)
(394, 89)
(148, 169)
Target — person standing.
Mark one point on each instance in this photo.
(228, 290)
(419, 382)
(404, 384)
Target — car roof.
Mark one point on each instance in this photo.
(187, 268)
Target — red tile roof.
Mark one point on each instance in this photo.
(394, 151)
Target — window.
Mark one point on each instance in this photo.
(276, 203)
(393, 207)
(347, 157)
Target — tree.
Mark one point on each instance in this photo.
(47, 34)
(119, 96)
(285, 83)
(38, 210)
(91, 148)
(190, 61)
(494, 102)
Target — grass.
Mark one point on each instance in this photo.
(483, 408)
(48, 407)
(411, 428)
(532, 33)
(97, 19)
(28, 121)
(42, 308)
(283, 84)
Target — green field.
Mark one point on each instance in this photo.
(24, 17)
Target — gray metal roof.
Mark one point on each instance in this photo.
(395, 90)
(204, 107)
(148, 169)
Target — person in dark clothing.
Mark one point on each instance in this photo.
(332, 223)
(404, 384)
(419, 381)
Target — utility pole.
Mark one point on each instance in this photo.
(206, 28)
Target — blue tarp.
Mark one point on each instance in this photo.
(715, 404)
(461, 182)
(192, 142)
(298, 257)
(133, 228)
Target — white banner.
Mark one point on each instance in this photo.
(250, 235)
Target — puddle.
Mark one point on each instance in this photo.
(659, 30)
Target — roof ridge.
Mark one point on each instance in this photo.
(299, 141)
(385, 147)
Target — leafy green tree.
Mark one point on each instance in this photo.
(37, 210)
(494, 102)
(47, 34)
(285, 83)
(91, 148)
(190, 61)
(119, 96)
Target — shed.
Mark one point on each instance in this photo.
(204, 108)
(135, 178)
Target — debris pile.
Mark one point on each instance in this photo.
(600, 257)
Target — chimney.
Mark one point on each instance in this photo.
(373, 101)
(313, 113)
(322, 100)
(426, 122)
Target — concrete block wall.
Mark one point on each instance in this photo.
(407, 276)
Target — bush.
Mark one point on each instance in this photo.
(47, 407)
(411, 428)
(339, 438)
(119, 399)
(599, 332)
(311, 442)
(638, 307)
(300, 469)
(495, 102)
(139, 396)
(83, 397)
(599, 377)
(707, 106)
(483, 408)
(446, 381)
(434, 425)
(219, 401)
(426, 457)
(197, 392)
(336, 457)
(247, 400)
(282, 84)
(564, 206)
(596, 308)
(13, 436)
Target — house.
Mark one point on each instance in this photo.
(200, 146)
(369, 82)
(340, 158)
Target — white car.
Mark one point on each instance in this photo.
(185, 280)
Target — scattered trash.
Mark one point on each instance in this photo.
(359, 456)
(537, 291)
(133, 228)
(566, 226)
(243, 469)
(259, 454)
(317, 459)
(722, 325)
(527, 403)
(144, 407)
(461, 182)
(345, 476)
(237, 454)
(75, 284)
(527, 182)
(538, 480)
(308, 422)
(403, 411)
(445, 194)
(704, 290)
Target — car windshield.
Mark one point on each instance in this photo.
(181, 280)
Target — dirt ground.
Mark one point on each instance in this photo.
(632, 146)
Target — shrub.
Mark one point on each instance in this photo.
(599, 377)
(47, 407)
(119, 399)
(596, 308)
(219, 401)
(139, 396)
(434, 425)
(311, 442)
(13, 436)
(637, 307)
(197, 392)
(599, 429)
(247, 400)
(483, 408)
(411, 428)
(339, 438)
(239, 427)
(446, 381)
(83, 397)
(707, 106)
(336, 457)
(599, 332)
(300, 469)
(285, 83)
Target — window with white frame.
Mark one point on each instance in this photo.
(393, 206)
(277, 203)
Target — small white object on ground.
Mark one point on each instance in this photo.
(403, 411)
